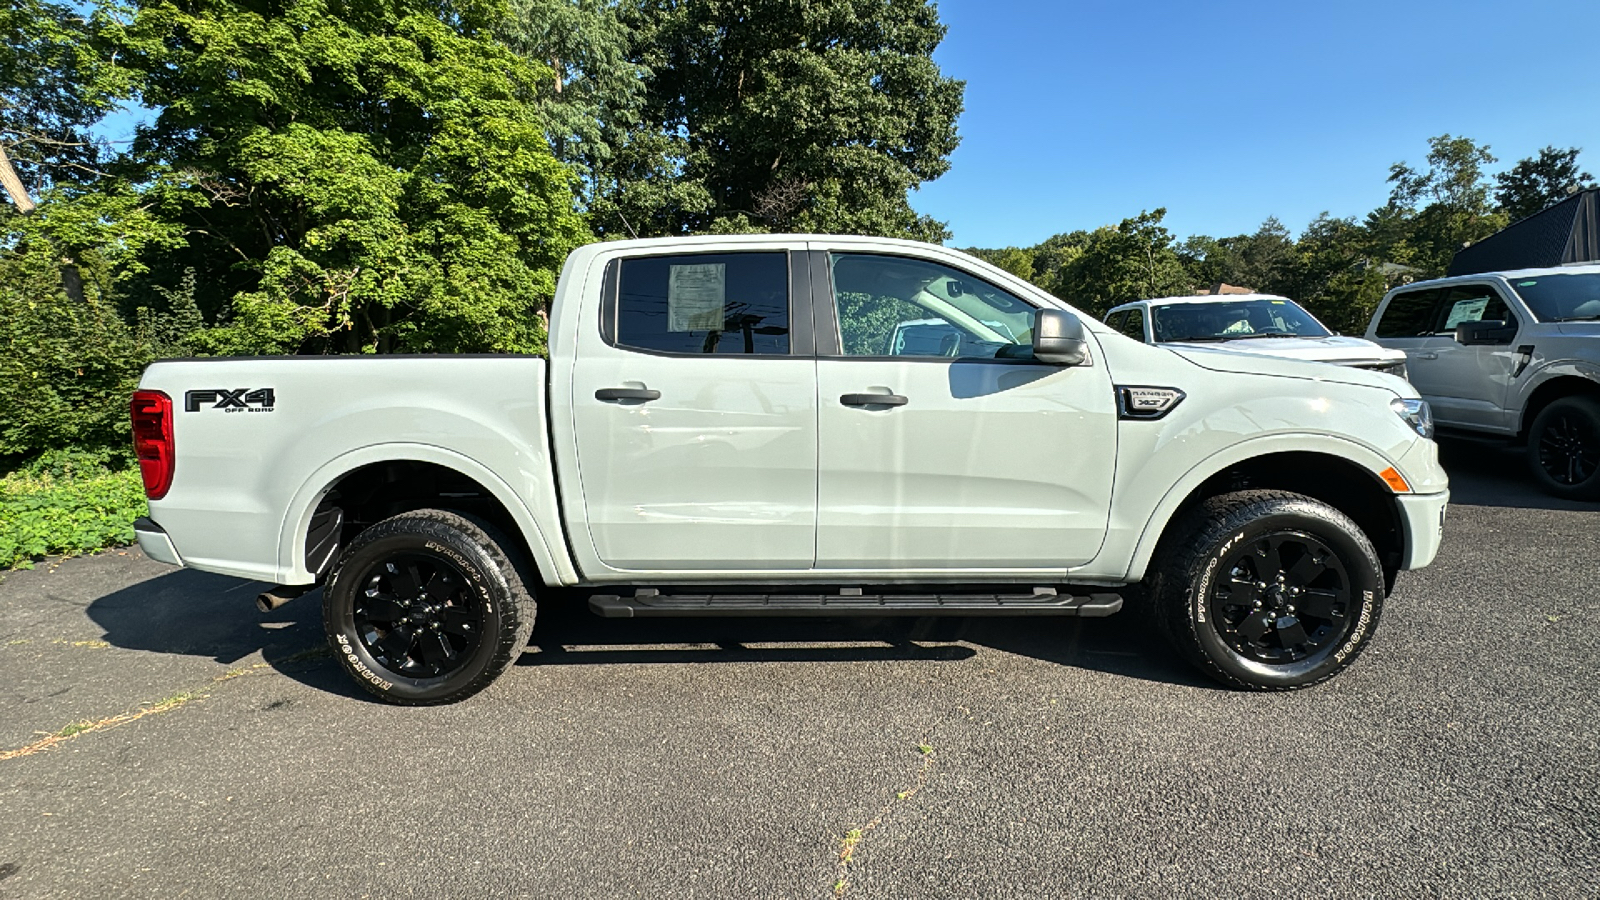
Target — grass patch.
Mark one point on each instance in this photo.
(46, 510)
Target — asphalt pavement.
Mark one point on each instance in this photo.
(161, 738)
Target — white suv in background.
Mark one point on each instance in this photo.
(1513, 355)
(1262, 324)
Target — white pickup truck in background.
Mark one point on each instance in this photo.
(741, 426)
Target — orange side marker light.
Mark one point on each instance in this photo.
(1395, 481)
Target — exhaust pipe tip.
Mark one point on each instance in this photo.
(269, 600)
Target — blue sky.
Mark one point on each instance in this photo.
(1080, 114)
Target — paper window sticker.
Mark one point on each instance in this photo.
(697, 297)
(1466, 311)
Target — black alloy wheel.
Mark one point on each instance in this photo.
(1564, 448)
(415, 615)
(428, 606)
(1568, 451)
(1266, 590)
(1284, 597)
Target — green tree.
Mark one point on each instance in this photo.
(1259, 261)
(1446, 207)
(594, 101)
(1016, 260)
(367, 175)
(1537, 182)
(55, 81)
(1133, 260)
(776, 115)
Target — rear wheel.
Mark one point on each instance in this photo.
(1267, 590)
(427, 607)
(1564, 448)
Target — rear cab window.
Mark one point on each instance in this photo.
(1409, 314)
(703, 303)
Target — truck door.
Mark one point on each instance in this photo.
(1471, 381)
(970, 455)
(694, 415)
(1406, 322)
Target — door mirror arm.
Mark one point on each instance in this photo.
(1059, 339)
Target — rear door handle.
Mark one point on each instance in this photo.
(1427, 356)
(872, 400)
(612, 394)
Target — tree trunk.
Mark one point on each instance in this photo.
(13, 184)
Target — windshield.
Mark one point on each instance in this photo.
(1561, 298)
(1231, 321)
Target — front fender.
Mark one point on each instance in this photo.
(1156, 523)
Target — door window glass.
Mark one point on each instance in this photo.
(1470, 303)
(705, 303)
(1134, 326)
(892, 306)
(1408, 315)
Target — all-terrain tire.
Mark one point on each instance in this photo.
(428, 607)
(1204, 595)
(1564, 448)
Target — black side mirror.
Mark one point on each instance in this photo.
(1489, 332)
(1058, 338)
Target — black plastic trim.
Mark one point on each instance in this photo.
(147, 525)
(1126, 413)
(802, 333)
(824, 320)
(648, 602)
(608, 301)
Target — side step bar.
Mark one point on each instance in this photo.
(851, 602)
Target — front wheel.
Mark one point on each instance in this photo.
(1267, 590)
(1564, 448)
(427, 607)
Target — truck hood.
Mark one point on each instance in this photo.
(1338, 349)
(1217, 359)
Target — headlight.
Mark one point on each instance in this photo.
(1416, 413)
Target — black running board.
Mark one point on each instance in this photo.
(1042, 602)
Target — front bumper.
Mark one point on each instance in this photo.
(154, 542)
(1423, 517)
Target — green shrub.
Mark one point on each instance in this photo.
(80, 508)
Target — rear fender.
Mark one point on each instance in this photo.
(554, 567)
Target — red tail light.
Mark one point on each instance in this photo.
(152, 441)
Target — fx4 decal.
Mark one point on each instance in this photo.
(241, 400)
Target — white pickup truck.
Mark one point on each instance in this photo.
(736, 426)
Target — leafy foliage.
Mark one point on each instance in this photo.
(773, 115)
(74, 510)
(1537, 182)
(359, 176)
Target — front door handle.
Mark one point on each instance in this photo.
(872, 400)
(612, 394)
(1427, 356)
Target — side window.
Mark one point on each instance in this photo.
(1409, 315)
(705, 303)
(1470, 303)
(892, 306)
(1133, 326)
(1115, 319)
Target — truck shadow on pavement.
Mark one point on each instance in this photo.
(567, 634)
(198, 614)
